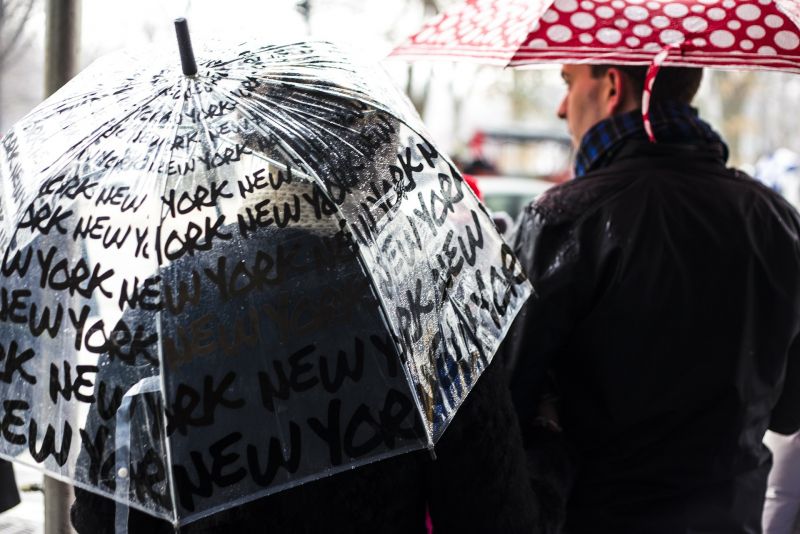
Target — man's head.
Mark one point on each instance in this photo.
(596, 92)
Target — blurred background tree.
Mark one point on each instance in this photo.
(749, 108)
(15, 16)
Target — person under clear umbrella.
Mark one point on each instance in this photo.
(666, 306)
(477, 483)
(9, 495)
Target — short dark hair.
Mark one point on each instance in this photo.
(672, 83)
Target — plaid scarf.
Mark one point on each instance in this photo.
(673, 122)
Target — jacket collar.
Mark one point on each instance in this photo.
(676, 126)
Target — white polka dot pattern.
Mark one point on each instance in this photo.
(708, 32)
(583, 21)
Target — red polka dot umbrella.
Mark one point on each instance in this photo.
(756, 34)
(762, 34)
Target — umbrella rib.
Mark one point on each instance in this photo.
(98, 132)
(250, 113)
(364, 263)
(67, 159)
(292, 112)
(159, 329)
(311, 88)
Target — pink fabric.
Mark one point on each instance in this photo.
(473, 184)
(723, 33)
(649, 80)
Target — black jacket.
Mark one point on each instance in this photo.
(9, 496)
(667, 305)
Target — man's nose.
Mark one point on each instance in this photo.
(562, 109)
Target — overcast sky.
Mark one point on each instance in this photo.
(113, 24)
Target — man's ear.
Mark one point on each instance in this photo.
(620, 95)
(616, 91)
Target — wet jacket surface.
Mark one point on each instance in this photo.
(667, 305)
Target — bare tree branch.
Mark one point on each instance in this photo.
(420, 98)
(14, 16)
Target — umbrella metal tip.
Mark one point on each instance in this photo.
(185, 47)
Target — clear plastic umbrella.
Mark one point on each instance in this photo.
(221, 283)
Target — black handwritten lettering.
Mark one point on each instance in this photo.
(91, 227)
(206, 479)
(202, 197)
(194, 238)
(71, 188)
(69, 387)
(101, 460)
(258, 181)
(148, 475)
(343, 369)
(44, 219)
(10, 419)
(141, 244)
(269, 391)
(181, 414)
(361, 418)
(48, 447)
(19, 263)
(10, 304)
(176, 305)
(79, 321)
(14, 362)
(226, 157)
(474, 242)
(410, 317)
(76, 278)
(406, 166)
(243, 278)
(323, 206)
(330, 433)
(98, 229)
(275, 457)
(259, 216)
(297, 380)
(147, 298)
(428, 152)
(289, 214)
(483, 299)
(108, 408)
(120, 196)
(121, 343)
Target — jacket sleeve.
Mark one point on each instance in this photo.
(479, 481)
(785, 417)
(560, 270)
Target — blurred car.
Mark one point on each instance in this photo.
(506, 197)
(541, 154)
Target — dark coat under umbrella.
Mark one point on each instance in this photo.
(9, 496)
(478, 483)
(667, 303)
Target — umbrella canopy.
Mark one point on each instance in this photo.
(763, 34)
(220, 284)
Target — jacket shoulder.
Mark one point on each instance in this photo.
(569, 201)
